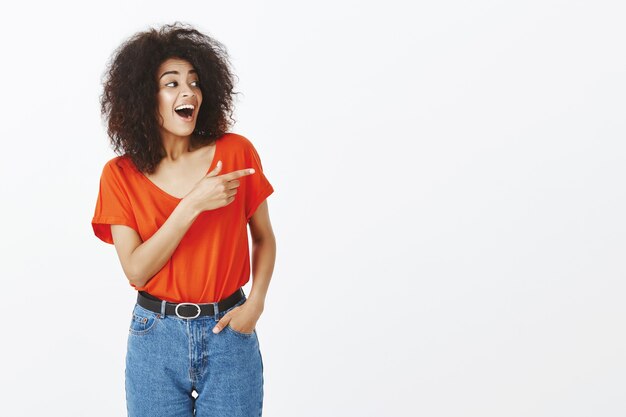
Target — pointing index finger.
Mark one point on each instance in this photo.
(239, 173)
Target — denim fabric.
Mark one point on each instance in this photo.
(168, 359)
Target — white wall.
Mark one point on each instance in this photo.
(449, 204)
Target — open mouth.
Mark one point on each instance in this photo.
(185, 112)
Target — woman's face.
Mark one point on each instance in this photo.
(178, 85)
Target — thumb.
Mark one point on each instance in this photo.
(215, 170)
(221, 324)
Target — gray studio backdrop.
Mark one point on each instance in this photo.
(449, 204)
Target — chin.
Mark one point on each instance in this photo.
(181, 132)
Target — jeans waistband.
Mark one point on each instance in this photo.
(188, 310)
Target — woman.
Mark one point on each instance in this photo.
(176, 205)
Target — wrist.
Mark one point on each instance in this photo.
(256, 303)
(187, 206)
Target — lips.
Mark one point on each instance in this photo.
(184, 117)
(185, 112)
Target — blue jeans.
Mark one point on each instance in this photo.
(168, 358)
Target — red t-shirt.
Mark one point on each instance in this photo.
(213, 259)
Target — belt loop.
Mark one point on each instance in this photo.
(163, 302)
(216, 310)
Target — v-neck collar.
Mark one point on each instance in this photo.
(165, 193)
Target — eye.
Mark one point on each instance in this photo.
(174, 82)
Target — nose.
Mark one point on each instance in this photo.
(187, 91)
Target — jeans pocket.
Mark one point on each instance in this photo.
(238, 333)
(142, 320)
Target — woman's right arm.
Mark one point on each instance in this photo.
(141, 261)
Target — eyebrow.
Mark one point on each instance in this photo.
(176, 72)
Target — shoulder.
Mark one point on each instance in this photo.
(237, 141)
(240, 145)
(118, 166)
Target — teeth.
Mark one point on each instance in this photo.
(185, 106)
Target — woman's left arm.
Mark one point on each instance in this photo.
(263, 257)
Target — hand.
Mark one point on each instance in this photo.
(242, 318)
(214, 191)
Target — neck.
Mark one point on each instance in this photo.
(175, 146)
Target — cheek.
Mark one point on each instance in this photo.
(165, 102)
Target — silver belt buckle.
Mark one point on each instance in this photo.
(188, 304)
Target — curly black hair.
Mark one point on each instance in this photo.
(129, 98)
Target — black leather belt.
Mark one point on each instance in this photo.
(188, 310)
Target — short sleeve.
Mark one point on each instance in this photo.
(112, 206)
(258, 186)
